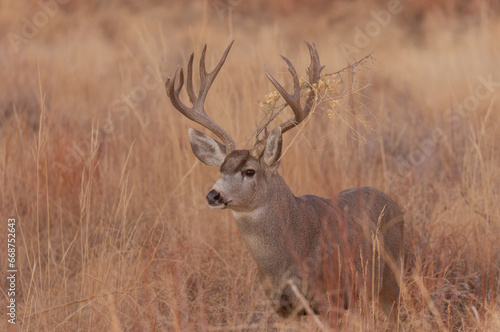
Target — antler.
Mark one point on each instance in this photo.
(197, 112)
(293, 99)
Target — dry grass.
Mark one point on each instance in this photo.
(113, 232)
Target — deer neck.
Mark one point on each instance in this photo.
(277, 203)
(262, 228)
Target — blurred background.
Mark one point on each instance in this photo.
(113, 232)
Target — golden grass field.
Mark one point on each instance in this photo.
(113, 232)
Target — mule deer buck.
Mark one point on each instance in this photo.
(310, 251)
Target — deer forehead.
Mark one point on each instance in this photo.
(237, 160)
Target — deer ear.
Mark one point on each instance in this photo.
(272, 153)
(206, 149)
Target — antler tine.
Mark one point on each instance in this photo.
(314, 69)
(210, 77)
(197, 112)
(293, 99)
(189, 83)
(172, 92)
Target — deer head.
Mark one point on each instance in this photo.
(247, 176)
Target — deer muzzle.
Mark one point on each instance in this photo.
(214, 200)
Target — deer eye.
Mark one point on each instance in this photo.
(249, 172)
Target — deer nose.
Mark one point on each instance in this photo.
(213, 197)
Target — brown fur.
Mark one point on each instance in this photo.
(322, 246)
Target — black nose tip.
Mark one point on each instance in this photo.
(213, 197)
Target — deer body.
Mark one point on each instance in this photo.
(286, 236)
(306, 248)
